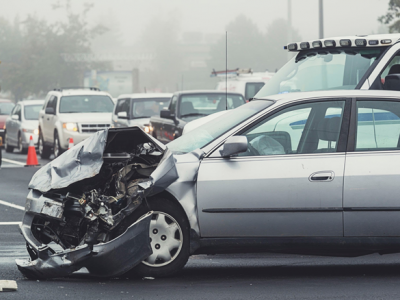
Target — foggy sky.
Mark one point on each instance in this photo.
(342, 17)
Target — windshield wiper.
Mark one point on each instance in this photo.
(193, 115)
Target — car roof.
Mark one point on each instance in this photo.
(32, 102)
(77, 92)
(205, 92)
(145, 95)
(287, 97)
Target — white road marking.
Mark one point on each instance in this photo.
(13, 162)
(12, 205)
(10, 223)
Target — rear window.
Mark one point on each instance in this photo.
(6, 108)
(31, 112)
(145, 108)
(86, 104)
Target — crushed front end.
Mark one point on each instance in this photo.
(81, 203)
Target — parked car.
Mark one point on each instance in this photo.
(72, 113)
(21, 124)
(136, 109)
(6, 106)
(187, 106)
(346, 63)
(310, 173)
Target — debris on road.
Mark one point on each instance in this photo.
(8, 286)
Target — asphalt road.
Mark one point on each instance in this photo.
(252, 276)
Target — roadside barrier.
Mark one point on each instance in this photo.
(31, 160)
(71, 143)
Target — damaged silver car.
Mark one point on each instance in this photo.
(308, 173)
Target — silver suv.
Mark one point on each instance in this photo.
(72, 113)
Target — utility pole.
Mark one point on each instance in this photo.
(289, 26)
(321, 19)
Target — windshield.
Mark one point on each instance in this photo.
(200, 105)
(31, 112)
(145, 108)
(206, 133)
(85, 104)
(325, 69)
(6, 108)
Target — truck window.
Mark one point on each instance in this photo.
(325, 69)
(172, 106)
(252, 89)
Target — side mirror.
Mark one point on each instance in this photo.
(234, 145)
(49, 111)
(15, 117)
(167, 114)
(122, 115)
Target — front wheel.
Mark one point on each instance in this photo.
(44, 151)
(169, 234)
(9, 148)
(57, 150)
(21, 148)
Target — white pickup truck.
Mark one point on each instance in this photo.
(350, 62)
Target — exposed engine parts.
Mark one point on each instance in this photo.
(82, 200)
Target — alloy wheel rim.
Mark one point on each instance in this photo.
(5, 141)
(166, 240)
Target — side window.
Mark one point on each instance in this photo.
(17, 111)
(54, 104)
(252, 89)
(305, 128)
(391, 83)
(172, 106)
(50, 102)
(378, 125)
(122, 105)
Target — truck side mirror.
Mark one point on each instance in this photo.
(167, 114)
(49, 111)
(122, 115)
(15, 117)
(234, 145)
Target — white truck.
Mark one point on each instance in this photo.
(350, 62)
(243, 81)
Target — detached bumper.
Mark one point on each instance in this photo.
(104, 260)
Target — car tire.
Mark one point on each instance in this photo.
(7, 146)
(57, 150)
(21, 148)
(170, 234)
(44, 151)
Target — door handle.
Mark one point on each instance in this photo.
(322, 176)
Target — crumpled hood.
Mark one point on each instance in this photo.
(85, 159)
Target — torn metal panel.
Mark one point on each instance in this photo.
(109, 259)
(84, 160)
(123, 253)
(184, 188)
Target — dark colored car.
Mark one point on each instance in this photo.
(188, 106)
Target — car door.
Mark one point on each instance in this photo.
(48, 130)
(288, 183)
(121, 106)
(12, 134)
(371, 186)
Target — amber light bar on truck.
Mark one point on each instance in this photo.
(345, 42)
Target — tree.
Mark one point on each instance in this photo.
(31, 52)
(246, 47)
(276, 37)
(392, 17)
(160, 38)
